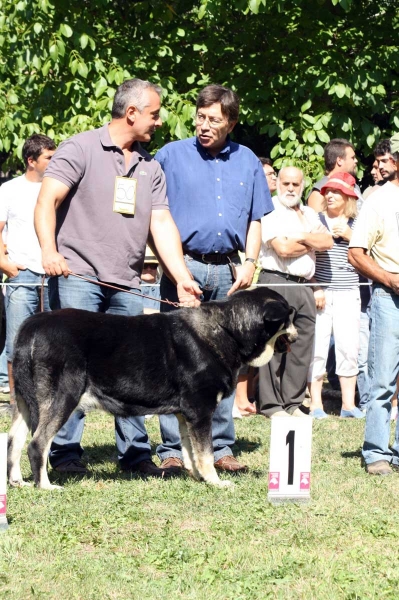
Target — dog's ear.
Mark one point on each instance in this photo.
(276, 311)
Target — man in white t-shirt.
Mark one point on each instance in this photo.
(290, 236)
(374, 252)
(23, 261)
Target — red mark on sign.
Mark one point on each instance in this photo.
(274, 481)
(304, 482)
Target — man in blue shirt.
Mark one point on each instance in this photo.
(217, 195)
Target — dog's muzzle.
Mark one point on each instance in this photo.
(286, 338)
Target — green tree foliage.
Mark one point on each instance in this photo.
(306, 70)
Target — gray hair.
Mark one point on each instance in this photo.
(130, 93)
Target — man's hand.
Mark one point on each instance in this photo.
(245, 275)
(189, 293)
(55, 264)
(319, 298)
(9, 268)
(393, 279)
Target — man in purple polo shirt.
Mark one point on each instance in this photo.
(98, 202)
(217, 194)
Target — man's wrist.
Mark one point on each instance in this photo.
(251, 261)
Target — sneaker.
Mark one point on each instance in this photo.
(236, 412)
(355, 413)
(5, 389)
(318, 413)
(298, 413)
(279, 413)
(72, 466)
(380, 467)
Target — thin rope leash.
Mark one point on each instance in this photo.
(114, 287)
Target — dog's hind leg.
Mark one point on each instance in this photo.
(38, 451)
(187, 449)
(201, 443)
(16, 441)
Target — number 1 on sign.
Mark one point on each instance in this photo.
(290, 440)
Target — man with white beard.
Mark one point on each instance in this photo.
(290, 236)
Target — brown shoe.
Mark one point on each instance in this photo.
(72, 466)
(173, 464)
(380, 467)
(149, 469)
(230, 464)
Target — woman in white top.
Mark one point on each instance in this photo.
(338, 304)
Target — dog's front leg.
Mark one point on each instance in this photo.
(200, 435)
(187, 449)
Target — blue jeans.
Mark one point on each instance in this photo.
(22, 302)
(130, 433)
(215, 281)
(363, 378)
(383, 367)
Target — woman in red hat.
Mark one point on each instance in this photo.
(338, 303)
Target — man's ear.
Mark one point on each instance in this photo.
(276, 311)
(131, 113)
(232, 124)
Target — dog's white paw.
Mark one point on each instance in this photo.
(18, 483)
(50, 486)
(224, 484)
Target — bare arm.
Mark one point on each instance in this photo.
(316, 201)
(52, 194)
(363, 263)
(287, 247)
(9, 268)
(166, 238)
(245, 272)
(317, 241)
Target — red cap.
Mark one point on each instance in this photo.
(344, 182)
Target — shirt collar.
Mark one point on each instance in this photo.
(225, 151)
(107, 142)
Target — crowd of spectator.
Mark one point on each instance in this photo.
(191, 225)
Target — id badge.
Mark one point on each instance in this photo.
(125, 195)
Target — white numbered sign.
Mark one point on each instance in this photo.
(290, 459)
(3, 481)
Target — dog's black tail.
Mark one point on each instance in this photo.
(24, 380)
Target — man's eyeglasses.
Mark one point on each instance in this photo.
(213, 121)
(271, 174)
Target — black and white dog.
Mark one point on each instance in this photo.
(183, 362)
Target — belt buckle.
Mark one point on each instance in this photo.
(204, 259)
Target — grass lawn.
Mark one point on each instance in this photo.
(114, 536)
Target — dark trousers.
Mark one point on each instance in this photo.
(282, 382)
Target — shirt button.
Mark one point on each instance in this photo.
(219, 234)
(241, 183)
(217, 178)
(217, 161)
(218, 197)
(220, 214)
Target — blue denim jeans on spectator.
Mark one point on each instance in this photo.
(22, 301)
(383, 368)
(363, 378)
(215, 281)
(130, 433)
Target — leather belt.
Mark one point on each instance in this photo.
(295, 278)
(213, 259)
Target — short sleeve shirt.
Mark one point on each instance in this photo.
(377, 227)
(282, 222)
(93, 238)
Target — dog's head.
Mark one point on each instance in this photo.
(266, 325)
